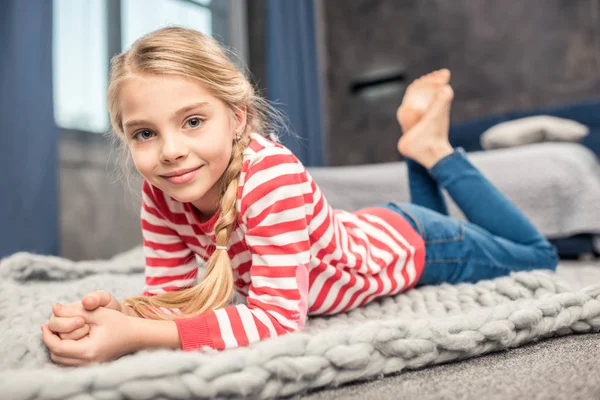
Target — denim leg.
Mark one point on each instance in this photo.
(481, 202)
(424, 190)
(497, 240)
(459, 251)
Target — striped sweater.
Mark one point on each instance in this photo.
(292, 254)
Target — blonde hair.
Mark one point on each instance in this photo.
(189, 53)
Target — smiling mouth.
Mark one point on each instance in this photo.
(180, 172)
(181, 176)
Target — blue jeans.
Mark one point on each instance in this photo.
(497, 239)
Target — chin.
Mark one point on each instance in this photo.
(185, 199)
(187, 194)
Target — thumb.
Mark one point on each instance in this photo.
(100, 298)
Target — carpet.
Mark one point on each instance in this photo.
(422, 327)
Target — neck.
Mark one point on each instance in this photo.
(208, 204)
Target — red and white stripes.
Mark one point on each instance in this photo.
(292, 254)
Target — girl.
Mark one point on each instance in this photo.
(217, 188)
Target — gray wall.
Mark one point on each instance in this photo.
(99, 216)
(504, 55)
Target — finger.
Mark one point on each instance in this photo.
(71, 310)
(65, 325)
(76, 334)
(100, 298)
(92, 301)
(62, 348)
(68, 361)
(58, 309)
(50, 339)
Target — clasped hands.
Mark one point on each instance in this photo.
(96, 329)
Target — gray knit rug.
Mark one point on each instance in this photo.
(425, 326)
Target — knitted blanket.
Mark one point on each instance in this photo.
(424, 326)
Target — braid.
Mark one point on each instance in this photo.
(229, 189)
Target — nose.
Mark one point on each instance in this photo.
(173, 148)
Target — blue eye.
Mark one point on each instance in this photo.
(193, 122)
(143, 135)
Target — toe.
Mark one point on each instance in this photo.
(442, 75)
(425, 78)
(407, 117)
(442, 101)
(446, 93)
(417, 82)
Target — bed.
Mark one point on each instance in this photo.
(468, 134)
(556, 185)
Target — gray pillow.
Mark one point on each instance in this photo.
(539, 128)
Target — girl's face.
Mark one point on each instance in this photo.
(180, 136)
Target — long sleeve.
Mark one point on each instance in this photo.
(274, 207)
(170, 264)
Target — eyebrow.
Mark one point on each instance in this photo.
(176, 115)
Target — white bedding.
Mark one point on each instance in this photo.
(556, 185)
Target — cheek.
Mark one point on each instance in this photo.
(143, 161)
(217, 154)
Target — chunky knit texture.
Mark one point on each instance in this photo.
(424, 326)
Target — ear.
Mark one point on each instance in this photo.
(241, 118)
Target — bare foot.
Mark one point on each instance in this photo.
(427, 141)
(419, 96)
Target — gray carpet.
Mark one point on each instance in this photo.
(424, 326)
(560, 368)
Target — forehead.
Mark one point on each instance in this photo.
(145, 95)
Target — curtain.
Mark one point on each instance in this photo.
(293, 77)
(28, 135)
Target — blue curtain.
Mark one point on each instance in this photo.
(28, 135)
(292, 75)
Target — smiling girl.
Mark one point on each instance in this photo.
(219, 188)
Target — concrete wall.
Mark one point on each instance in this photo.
(99, 216)
(504, 56)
